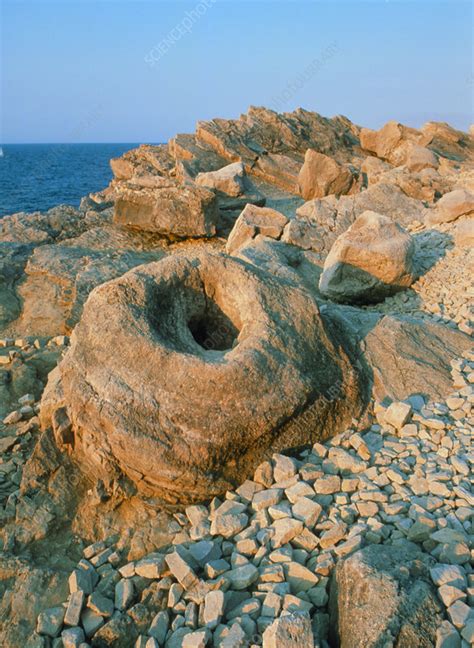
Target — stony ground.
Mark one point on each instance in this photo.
(269, 547)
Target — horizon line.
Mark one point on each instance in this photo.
(74, 143)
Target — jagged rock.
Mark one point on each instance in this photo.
(419, 158)
(373, 168)
(119, 632)
(324, 219)
(426, 185)
(404, 355)
(373, 259)
(446, 141)
(173, 211)
(57, 224)
(209, 329)
(451, 206)
(253, 221)
(384, 594)
(291, 631)
(232, 187)
(59, 279)
(389, 143)
(320, 176)
(26, 591)
(13, 258)
(144, 163)
(228, 180)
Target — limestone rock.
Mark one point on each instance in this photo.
(193, 331)
(389, 143)
(383, 594)
(59, 278)
(143, 165)
(419, 158)
(397, 414)
(464, 234)
(228, 180)
(253, 221)
(451, 206)
(119, 632)
(373, 169)
(321, 221)
(373, 259)
(321, 175)
(173, 211)
(290, 631)
(423, 367)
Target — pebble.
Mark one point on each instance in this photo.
(398, 414)
(266, 552)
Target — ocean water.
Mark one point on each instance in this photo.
(36, 177)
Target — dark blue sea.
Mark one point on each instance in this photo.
(36, 177)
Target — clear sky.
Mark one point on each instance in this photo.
(132, 71)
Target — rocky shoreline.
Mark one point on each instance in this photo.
(236, 394)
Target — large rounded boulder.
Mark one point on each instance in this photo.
(183, 374)
(374, 258)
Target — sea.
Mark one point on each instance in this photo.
(36, 177)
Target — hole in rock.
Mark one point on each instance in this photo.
(212, 329)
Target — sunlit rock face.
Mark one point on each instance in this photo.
(182, 374)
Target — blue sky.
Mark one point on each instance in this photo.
(122, 71)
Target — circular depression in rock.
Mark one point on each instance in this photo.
(183, 373)
(213, 330)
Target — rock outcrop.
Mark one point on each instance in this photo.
(451, 206)
(216, 363)
(173, 211)
(321, 176)
(228, 180)
(384, 596)
(403, 355)
(372, 259)
(252, 222)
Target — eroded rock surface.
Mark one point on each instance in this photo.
(321, 176)
(199, 334)
(372, 259)
(384, 596)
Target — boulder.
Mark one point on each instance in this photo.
(403, 355)
(372, 259)
(419, 158)
(172, 211)
(183, 373)
(228, 180)
(290, 631)
(451, 206)
(321, 175)
(326, 218)
(232, 187)
(464, 233)
(389, 143)
(447, 141)
(426, 185)
(373, 169)
(253, 221)
(382, 596)
(143, 165)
